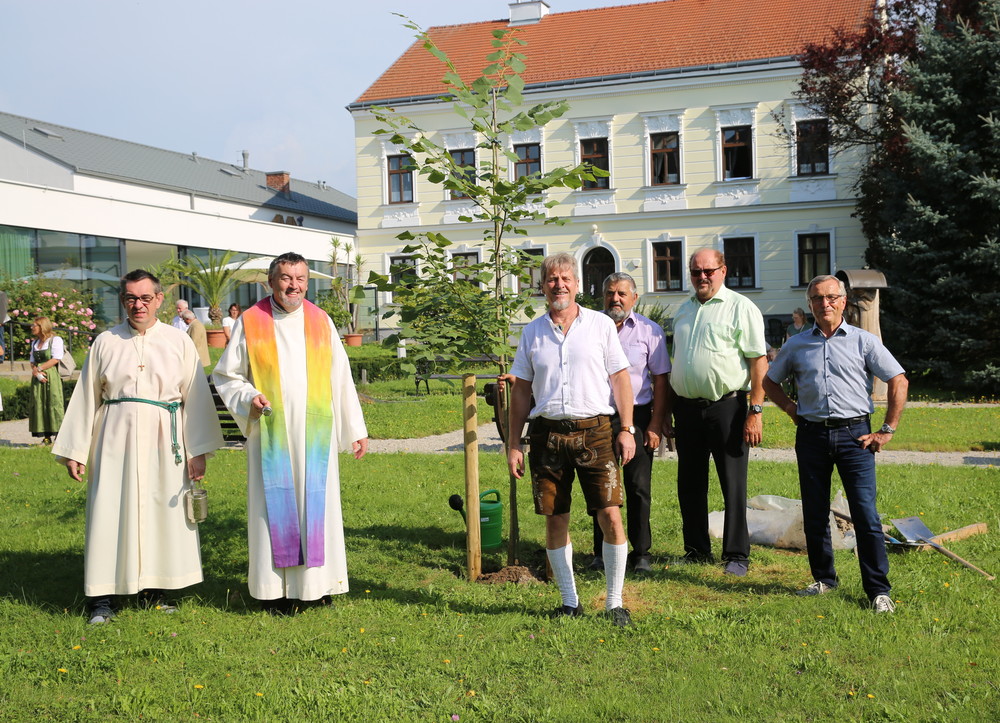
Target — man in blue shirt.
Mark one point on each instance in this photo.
(833, 365)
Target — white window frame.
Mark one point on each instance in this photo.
(756, 258)
(734, 117)
(517, 138)
(654, 124)
(528, 246)
(799, 112)
(650, 275)
(813, 231)
(387, 268)
(391, 149)
(461, 250)
(588, 129)
(460, 141)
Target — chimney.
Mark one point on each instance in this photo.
(280, 181)
(246, 160)
(528, 13)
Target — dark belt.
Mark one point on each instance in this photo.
(571, 425)
(706, 402)
(833, 422)
(636, 408)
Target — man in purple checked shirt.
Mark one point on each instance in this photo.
(649, 368)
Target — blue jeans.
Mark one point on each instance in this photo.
(818, 449)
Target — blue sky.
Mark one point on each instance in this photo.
(218, 76)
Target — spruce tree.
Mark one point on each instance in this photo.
(931, 205)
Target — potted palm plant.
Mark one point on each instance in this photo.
(213, 278)
(340, 298)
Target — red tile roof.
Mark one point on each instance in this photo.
(628, 39)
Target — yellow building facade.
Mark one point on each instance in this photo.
(718, 156)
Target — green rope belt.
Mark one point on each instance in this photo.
(171, 407)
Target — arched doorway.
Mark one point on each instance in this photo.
(597, 264)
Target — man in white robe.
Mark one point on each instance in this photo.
(141, 456)
(308, 574)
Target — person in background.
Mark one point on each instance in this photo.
(649, 367)
(230, 321)
(177, 322)
(4, 318)
(46, 412)
(798, 324)
(196, 330)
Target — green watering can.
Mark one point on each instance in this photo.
(490, 517)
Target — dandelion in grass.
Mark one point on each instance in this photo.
(199, 686)
(63, 670)
(850, 692)
(76, 647)
(826, 652)
(362, 629)
(820, 616)
(870, 695)
(446, 660)
(947, 584)
(471, 693)
(259, 695)
(656, 650)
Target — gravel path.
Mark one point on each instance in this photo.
(489, 441)
(15, 434)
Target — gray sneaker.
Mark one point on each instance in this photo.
(883, 604)
(817, 588)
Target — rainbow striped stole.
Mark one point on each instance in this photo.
(276, 465)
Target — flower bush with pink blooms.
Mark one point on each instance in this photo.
(69, 310)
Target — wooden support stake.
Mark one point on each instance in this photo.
(474, 550)
(514, 536)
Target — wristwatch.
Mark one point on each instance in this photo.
(755, 409)
(886, 429)
(630, 429)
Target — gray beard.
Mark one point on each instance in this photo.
(560, 305)
(617, 313)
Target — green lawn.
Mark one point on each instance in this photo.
(414, 641)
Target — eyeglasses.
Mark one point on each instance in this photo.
(830, 298)
(704, 272)
(130, 300)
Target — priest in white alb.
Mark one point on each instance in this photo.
(286, 380)
(142, 419)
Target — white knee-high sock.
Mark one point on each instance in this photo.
(614, 572)
(561, 560)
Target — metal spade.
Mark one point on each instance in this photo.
(915, 531)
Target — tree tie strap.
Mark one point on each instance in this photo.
(171, 407)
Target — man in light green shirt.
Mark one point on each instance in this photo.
(719, 356)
